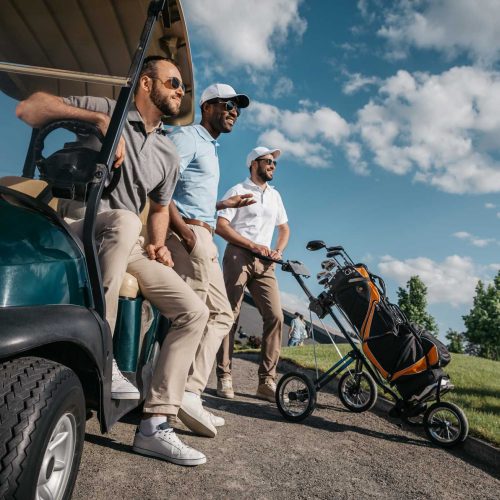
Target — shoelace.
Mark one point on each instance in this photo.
(165, 432)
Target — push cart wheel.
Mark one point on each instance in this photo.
(446, 424)
(295, 396)
(357, 391)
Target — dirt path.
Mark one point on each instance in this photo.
(332, 454)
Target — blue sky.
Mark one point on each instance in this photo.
(388, 116)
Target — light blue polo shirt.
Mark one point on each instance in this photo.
(196, 192)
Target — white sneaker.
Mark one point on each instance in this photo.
(193, 415)
(216, 421)
(121, 388)
(165, 444)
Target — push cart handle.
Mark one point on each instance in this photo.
(268, 259)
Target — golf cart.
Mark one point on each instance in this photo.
(56, 348)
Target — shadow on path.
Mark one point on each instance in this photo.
(270, 412)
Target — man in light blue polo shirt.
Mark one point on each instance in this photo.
(192, 223)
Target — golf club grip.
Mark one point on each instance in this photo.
(268, 259)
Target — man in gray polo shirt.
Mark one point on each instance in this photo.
(150, 170)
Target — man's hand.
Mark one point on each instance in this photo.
(261, 249)
(120, 153)
(160, 253)
(236, 201)
(189, 241)
(276, 255)
(103, 124)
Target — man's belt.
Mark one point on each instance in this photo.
(196, 222)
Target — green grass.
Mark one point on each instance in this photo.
(476, 381)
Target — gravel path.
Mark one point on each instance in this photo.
(257, 455)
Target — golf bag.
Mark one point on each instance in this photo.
(405, 355)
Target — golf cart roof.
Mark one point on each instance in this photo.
(70, 47)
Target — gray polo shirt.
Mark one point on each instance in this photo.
(151, 165)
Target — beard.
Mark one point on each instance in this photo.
(264, 175)
(163, 103)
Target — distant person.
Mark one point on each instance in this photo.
(249, 230)
(297, 332)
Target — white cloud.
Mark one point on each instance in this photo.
(283, 87)
(449, 26)
(489, 205)
(245, 33)
(306, 135)
(295, 303)
(357, 81)
(305, 152)
(442, 127)
(475, 240)
(452, 281)
(353, 153)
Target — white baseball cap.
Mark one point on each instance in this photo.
(261, 151)
(223, 91)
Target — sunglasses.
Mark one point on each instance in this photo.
(171, 83)
(229, 105)
(268, 161)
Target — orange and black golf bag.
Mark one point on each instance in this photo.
(404, 354)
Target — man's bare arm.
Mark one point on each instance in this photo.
(41, 108)
(157, 233)
(236, 201)
(282, 241)
(230, 235)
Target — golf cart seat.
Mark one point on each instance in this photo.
(33, 187)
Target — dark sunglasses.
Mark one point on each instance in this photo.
(229, 105)
(171, 83)
(268, 161)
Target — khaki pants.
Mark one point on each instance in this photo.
(242, 269)
(203, 274)
(121, 250)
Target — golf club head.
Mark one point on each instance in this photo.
(314, 245)
(323, 277)
(328, 265)
(333, 253)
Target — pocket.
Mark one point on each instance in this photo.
(196, 241)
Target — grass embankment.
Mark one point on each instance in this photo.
(476, 381)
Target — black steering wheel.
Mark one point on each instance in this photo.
(75, 164)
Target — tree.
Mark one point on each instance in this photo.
(483, 321)
(456, 341)
(413, 302)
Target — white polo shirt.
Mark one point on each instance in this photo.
(256, 222)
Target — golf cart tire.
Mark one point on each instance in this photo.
(37, 394)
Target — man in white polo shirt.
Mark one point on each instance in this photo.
(249, 230)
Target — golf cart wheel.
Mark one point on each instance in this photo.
(446, 424)
(295, 396)
(42, 417)
(357, 391)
